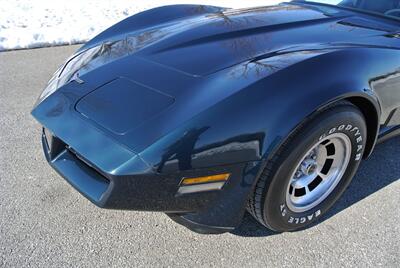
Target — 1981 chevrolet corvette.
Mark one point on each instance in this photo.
(203, 112)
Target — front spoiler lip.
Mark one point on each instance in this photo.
(198, 227)
(210, 212)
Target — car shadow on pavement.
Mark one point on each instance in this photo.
(379, 171)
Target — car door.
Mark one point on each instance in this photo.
(387, 86)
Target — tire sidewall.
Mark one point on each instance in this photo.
(342, 120)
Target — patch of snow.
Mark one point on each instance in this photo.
(39, 23)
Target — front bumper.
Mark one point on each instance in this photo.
(203, 212)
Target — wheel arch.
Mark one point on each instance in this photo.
(371, 115)
(368, 105)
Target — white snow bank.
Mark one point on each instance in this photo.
(38, 23)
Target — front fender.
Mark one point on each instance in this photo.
(251, 124)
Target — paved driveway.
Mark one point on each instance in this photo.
(44, 222)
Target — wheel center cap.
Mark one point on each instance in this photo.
(309, 167)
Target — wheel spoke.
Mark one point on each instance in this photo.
(307, 190)
(323, 176)
(321, 169)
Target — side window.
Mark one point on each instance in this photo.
(348, 3)
(387, 7)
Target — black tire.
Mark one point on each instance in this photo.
(268, 203)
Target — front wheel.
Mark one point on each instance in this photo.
(311, 170)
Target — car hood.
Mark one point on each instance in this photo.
(141, 84)
(204, 44)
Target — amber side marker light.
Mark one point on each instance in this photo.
(202, 184)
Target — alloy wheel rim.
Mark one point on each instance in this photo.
(318, 173)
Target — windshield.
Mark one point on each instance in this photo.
(389, 8)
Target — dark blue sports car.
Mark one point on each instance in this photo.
(202, 112)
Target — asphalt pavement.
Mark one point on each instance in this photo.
(46, 223)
